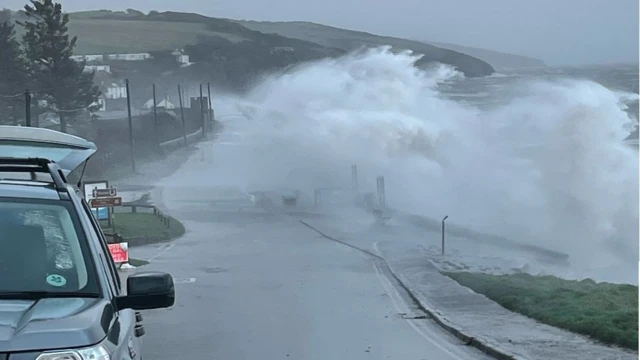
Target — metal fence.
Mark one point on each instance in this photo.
(124, 134)
(114, 237)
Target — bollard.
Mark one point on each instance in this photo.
(155, 211)
(443, 219)
(354, 177)
(134, 209)
(382, 201)
(316, 198)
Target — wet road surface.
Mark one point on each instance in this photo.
(254, 285)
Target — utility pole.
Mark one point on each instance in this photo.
(204, 130)
(27, 107)
(382, 197)
(210, 108)
(184, 128)
(155, 116)
(354, 177)
(443, 219)
(131, 142)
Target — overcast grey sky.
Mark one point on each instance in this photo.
(557, 31)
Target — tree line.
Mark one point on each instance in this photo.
(40, 62)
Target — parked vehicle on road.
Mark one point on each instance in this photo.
(61, 297)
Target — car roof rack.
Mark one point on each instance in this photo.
(35, 165)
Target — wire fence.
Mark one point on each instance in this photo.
(113, 236)
(125, 127)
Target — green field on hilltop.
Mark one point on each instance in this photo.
(100, 36)
(113, 36)
(603, 311)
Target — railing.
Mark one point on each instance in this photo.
(114, 238)
(166, 220)
(179, 142)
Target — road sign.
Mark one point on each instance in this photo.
(106, 202)
(102, 193)
(119, 252)
(102, 213)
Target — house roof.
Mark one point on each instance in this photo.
(162, 104)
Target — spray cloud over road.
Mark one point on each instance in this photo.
(549, 168)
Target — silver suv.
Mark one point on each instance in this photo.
(61, 296)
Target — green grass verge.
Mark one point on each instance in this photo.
(144, 228)
(603, 311)
(137, 262)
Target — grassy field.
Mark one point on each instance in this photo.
(603, 311)
(99, 36)
(114, 36)
(138, 262)
(144, 228)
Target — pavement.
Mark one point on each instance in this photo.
(257, 284)
(470, 316)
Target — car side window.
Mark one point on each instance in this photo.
(103, 244)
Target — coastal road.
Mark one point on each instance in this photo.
(258, 285)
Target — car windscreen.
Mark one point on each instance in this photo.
(43, 249)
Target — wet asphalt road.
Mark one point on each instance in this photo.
(252, 285)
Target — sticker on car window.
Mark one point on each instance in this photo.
(56, 280)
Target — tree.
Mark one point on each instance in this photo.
(12, 68)
(58, 79)
(5, 15)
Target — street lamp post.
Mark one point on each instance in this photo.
(443, 219)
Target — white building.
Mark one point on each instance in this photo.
(282, 49)
(88, 58)
(97, 68)
(166, 104)
(91, 58)
(100, 58)
(130, 57)
(181, 57)
(184, 59)
(116, 91)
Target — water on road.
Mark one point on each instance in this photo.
(254, 285)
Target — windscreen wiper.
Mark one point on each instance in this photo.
(37, 295)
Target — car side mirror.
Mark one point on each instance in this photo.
(148, 290)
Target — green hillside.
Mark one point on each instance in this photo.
(349, 40)
(223, 51)
(105, 31)
(118, 36)
(499, 60)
